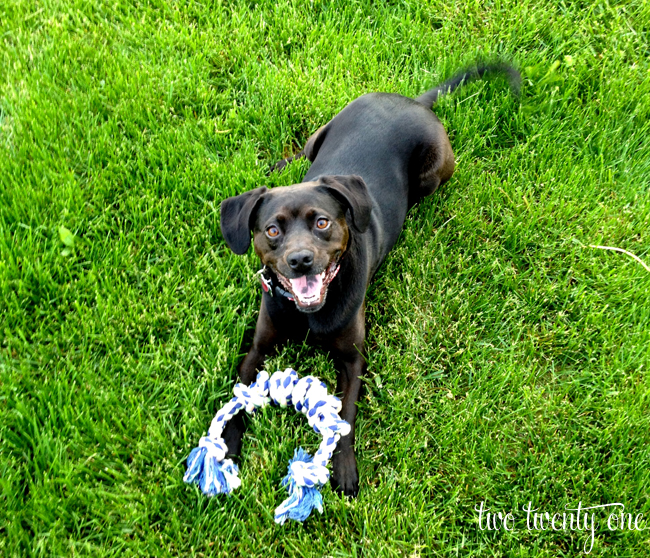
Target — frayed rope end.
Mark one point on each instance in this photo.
(304, 489)
(212, 476)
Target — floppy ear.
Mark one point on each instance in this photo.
(352, 191)
(238, 217)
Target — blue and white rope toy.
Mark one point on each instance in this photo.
(208, 467)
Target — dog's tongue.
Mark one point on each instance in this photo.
(307, 288)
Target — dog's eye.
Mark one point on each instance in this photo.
(322, 224)
(272, 231)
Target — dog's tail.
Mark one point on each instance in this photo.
(429, 98)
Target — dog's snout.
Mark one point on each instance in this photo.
(301, 260)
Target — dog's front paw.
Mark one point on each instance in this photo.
(233, 434)
(345, 479)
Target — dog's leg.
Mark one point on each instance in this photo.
(310, 150)
(284, 162)
(347, 349)
(266, 338)
(433, 165)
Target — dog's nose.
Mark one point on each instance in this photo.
(301, 260)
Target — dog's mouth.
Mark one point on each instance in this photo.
(309, 291)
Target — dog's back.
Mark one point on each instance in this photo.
(399, 147)
(385, 138)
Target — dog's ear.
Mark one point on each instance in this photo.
(352, 191)
(238, 217)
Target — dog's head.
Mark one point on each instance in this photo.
(300, 232)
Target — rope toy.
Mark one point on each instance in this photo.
(208, 467)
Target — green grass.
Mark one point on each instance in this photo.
(508, 360)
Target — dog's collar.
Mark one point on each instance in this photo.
(269, 287)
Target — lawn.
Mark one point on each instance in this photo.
(508, 358)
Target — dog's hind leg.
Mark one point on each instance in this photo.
(432, 165)
(279, 166)
(310, 150)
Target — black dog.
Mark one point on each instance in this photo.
(321, 241)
